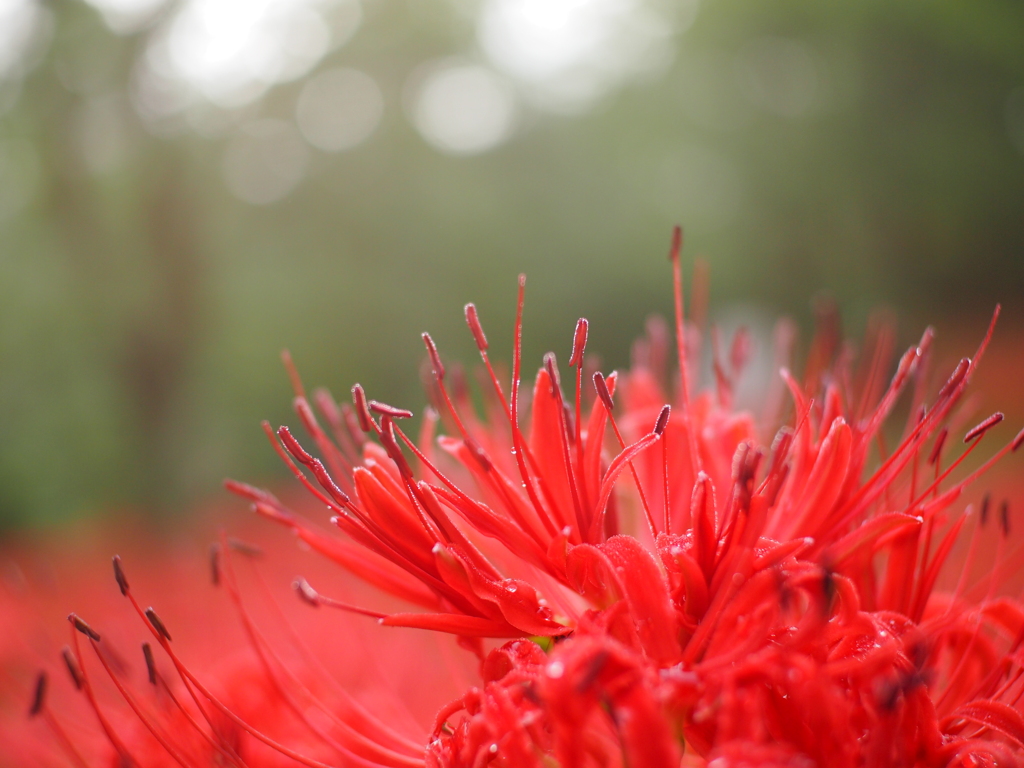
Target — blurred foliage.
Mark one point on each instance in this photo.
(143, 307)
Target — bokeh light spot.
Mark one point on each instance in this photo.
(464, 109)
(127, 16)
(339, 109)
(265, 161)
(780, 75)
(569, 53)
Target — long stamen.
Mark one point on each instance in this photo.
(80, 626)
(271, 662)
(556, 389)
(525, 461)
(579, 345)
(606, 399)
(518, 444)
(684, 380)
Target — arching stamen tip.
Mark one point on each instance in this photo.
(362, 413)
(122, 582)
(306, 592)
(677, 243)
(147, 652)
(389, 410)
(983, 427)
(39, 695)
(662, 422)
(551, 366)
(522, 279)
(478, 453)
(473, 321)
(940, 441)
(244, 490)
(157, 624)
(293, 446)
(293, 373)
(82, 627)
(579, 342)
(435, 358)
(956, 377)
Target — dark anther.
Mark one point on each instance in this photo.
(478, 453)
(1004, 517)
(602, 391)
(889, 695)
(157, 624)
(39, 697)
(940, 441)
(122, 582)
(662, 422)
(215, 563)
(72, 665)
(147, 652)
(1017, 441)
(84, 628)
(985, 503)
(594, 668)
(244, 548)
(579, 342)
(551, 366)
(828, 589)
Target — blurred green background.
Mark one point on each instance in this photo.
(188, 187)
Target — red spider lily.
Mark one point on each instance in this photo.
(673, 590)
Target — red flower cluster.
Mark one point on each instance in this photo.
(672, 590)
